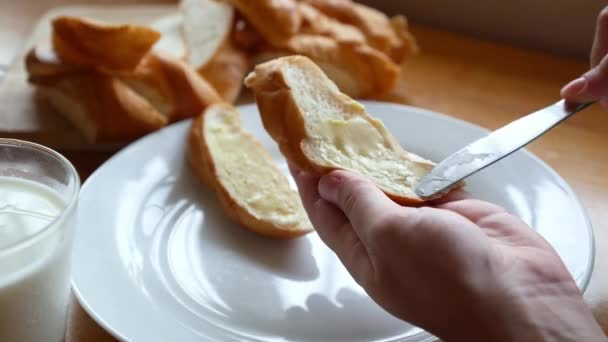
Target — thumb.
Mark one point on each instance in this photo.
(592, 86)
(357, 197)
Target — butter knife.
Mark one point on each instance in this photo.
(494, 147)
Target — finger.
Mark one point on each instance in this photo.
(332, 226)
(600, 42)
(452, 196)
(592, 86)
(338, 234)
(472, 209)
(358, 198)
(307, 187)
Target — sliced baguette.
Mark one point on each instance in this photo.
(104, 46)
(390, 36)
(102, 107)
(171, 85)
(206, 27)
(316, 23)
(320, 129)
(250, 187)
(226, 71)
(359, 70)
(275, 20)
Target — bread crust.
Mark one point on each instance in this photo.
(275, 20)
(226, 71)
(358, 69)
(391, 36)
(202, 161)
(89, 43)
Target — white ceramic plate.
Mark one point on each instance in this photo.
(155, 258)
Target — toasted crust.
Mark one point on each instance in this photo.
(311, 120)
(206, 27)
(149, 80)
(245, 36)
(226, 71)
(192, 93)
(316, 23)
(207, 166)
(275, 20)
(359, 70)
(89, 43)
(387, 35)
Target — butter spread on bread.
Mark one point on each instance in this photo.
(251, 188)
(319, 129)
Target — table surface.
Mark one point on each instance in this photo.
(481, 82)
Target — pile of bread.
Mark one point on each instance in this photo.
(114, 85)
(309, 58)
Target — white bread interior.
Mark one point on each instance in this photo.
(250, 186)
(319, 129)
(206, 26)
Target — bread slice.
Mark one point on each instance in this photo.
(172, 34)
(390, 36)
(226, 71)
(245, 36)
(206, 27)
(359, 70)
(316, 23)
(320, 129)
(251, 189)
(91, 43)
(102, 107)
(171, 86)
(275, 20)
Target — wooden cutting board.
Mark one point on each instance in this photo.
(24, 116)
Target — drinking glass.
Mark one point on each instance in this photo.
(38, 199)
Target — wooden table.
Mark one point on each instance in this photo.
(490, 85)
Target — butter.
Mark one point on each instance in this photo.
(354, 136)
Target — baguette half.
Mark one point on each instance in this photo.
(275, 20)
(320, 129)
(226, 71)
(90, 43)
(390, 36)
(358, 69)
(252, 190)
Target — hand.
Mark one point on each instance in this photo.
(463, 269)
(593, 85)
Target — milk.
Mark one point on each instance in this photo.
(34, 275)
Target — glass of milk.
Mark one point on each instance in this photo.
(38, 198)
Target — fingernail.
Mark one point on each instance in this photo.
(329, 185)
(575, 87)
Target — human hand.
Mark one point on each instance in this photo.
(463, 269)
(593, 85)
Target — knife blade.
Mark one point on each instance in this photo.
(494, 147)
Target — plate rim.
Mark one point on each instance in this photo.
(418, 111)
